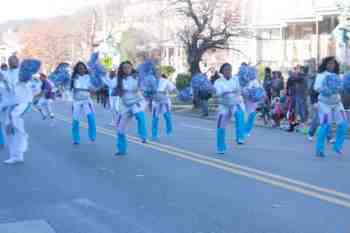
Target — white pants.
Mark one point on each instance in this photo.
(45, 107)
(127, 114)
(82, 108)
(329, 114)
(250, 107)
(114, 102)
(18, 142)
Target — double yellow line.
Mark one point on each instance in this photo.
(310, 190)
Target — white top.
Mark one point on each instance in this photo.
(231, 86)
(130, 84)
(23, 97)
(165, 86)
(12, 76)
(222, 85)
(82, 82)
(332, 100)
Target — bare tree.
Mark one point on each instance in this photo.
(209, 24)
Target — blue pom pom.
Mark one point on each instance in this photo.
(61, 75)
(28, 68)
(252, 73)
(185, 95)
(147, 68)
(346, 83)
(150, 85)
(256, 94)
(331, 85)
(97, 71)
(198, 80)
(243, 75)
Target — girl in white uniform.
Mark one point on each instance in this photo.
(9, 82)
(330, 108)
(114, 101)
(132, 105)
(5, 94)
(249, 83)
(228, 91)
(11, 75)
(162, 105)
(81, 87)
(22, 99)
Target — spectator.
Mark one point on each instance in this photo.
(4, 67)
(277, 83)
(297, 89)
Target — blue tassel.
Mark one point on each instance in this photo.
(76, 132)
(2, 138)
(220, 140)
(155, 122)
(141, 125)
(239, 123)
(342, 129)
(250, 123)
(321, 138)
(168, 123)
(121, 144)
(92, 127)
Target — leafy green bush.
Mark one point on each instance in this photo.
(183, 80)
(167, 70)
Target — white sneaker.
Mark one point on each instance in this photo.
(310, 138)
(13, 161)
(332, 141)
(20, 159)
(112, 123)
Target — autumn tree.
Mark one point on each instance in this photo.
(208, 24)
(46, 41)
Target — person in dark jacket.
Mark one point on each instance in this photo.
(297, 88)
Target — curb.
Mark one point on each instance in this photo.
(213, 118)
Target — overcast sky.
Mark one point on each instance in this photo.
(23, 9)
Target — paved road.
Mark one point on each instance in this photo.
(273, 184)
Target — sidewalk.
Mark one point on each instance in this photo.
(188, 111)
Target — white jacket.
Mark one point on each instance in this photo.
(223, 86)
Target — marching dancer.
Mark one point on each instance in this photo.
(132, 105)
(9, 82)
(11, 74)
(81, 86)
(330, 107)
(228, 91)
(162, 105)
(5, 95)
(252, 94)
(46, 97)
(114, 101)
(18, 106)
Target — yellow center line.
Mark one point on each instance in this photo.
(258, 175)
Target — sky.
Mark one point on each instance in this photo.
(23, 9)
